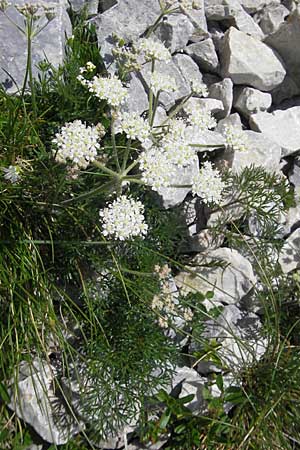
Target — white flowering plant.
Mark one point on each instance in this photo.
(92, 247)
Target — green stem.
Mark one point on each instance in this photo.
(177, 109)
(105, 169)
(154, 108)
(127, 151)
(129, 168)
(151, 95)
(29, 60)
(113, 141)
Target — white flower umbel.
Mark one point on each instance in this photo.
(199, 88)
(123, 219)
(134, 126)
(190, 4)
(76, 143)
(12, 173)
(157, 169)
(176, 146)
(109, 89)
(162, 82)
(201, 117)
(235, 139)
(208, 184)
(152, 49)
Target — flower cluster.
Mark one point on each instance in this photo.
(77, 143)
(176, 146)
(152, 49)
(109, 89)
(134, 126)
(199, 88)
(190, 4)
(201, 117)
(235, 139)
(157, 169)
(162, 82)
(89, 67)
(208, 184)
(123, 219)
(12, 173)
(126, 56)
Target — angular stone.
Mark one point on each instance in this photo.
(239, 334)
(198, 19)
(294, 173)
(167, 99)
(223, 91)
(282, 127)
(272, 17)
(209, 140)
(205, 240)
(231, 278)
(187, 381)
(104, 5)
(291, 220)
(188, 68)
(261, 152)
(49, 43)
(204, 54)
(248, 61)
(286, 90)
(175, 31)
(213, 105)
(90, 5)
(233, 120)
(128, 19)
(231, 10)
(253, 6)
(283, 41)
(35, 402)
(174, 196)
(249, 101)
(137, 100)
(289, 257)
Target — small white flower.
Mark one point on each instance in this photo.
(90, 66)
(134, 126)
(190, 4)
(76, 143)
(12, 173)
(208, 184)
(123, 219)
(152, 49)
(162, 82)
(109, 89)
(201, 117)
(176, 147)
(235, 138)
(157, 169)
(199, 88)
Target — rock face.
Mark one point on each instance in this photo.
(249, 101)
(272, 17)
(204, 54)
(230, 279)
(282, 127)
(188, 68)
(223, 91)
(37, 404)
(175, 31)
(289, 257)
(283, 41)
(49, 42)
(248, 61)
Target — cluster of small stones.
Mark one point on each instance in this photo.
(246, 53)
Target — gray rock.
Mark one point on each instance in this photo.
(249, 101)
(34, 447)
(209, 140)
(230, 279)
(137, 100)
(272, 17)
(232, 11)
(175, 31)
(283, 41)
(204, 54)
(206, 240)
(104, 5)
(188, 68)
(223, 91)
(294, 173)
(173, 196)
(35, 402)
(289, 257)
(128, 19)
(253, 6)
(261, 152)
(239, 333)
(286, 90)
(291, 220)
(198, 19)
(240, 61)
(189, 382)
(213, 105)
(282, 127)
(90, 5)
(217, 35)
(49, 43)
(233, 120)
(167, 99)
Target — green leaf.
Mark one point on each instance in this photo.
(164, 420)
(4, 394)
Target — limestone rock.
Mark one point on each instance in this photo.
(137, 100)
(187, 381)
(49, 43)
(282, 127)
(294, 173)
(233, 120)
(223, 91)
(241, 63)
(204, 53)
(188, 68)
(286, 90)
(253, 6)
(231, 10)
(271, 17)
(128, 19)
(198, 19)
(283, 41)
(289, 257)
(90, 5)
(230, 279)
(213, 105)
(175, 31)
(249, 101)
(36, 403)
